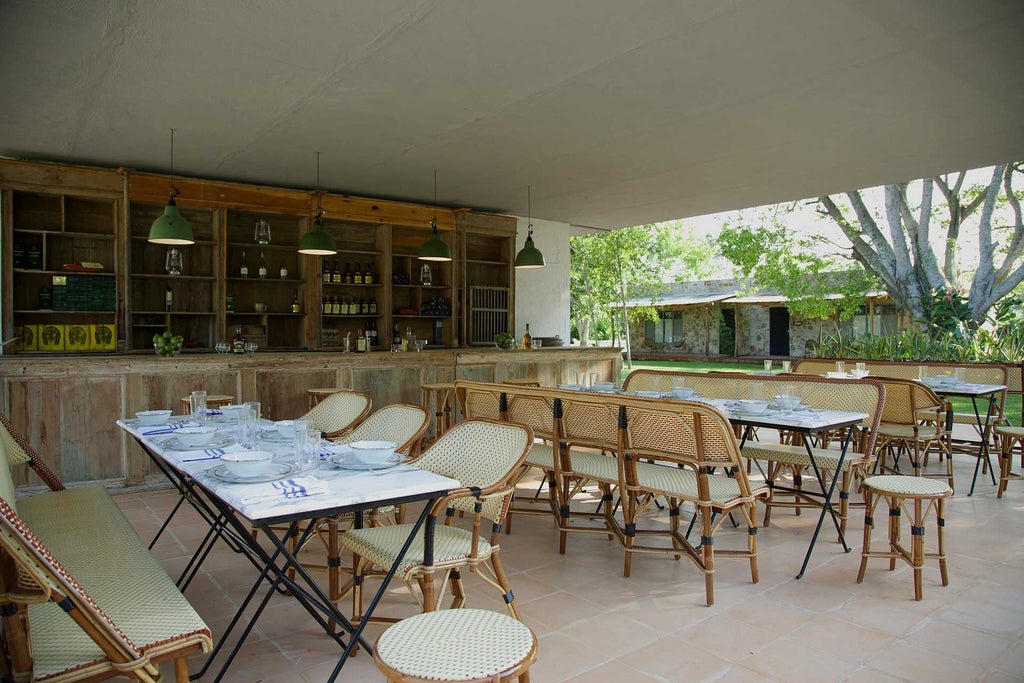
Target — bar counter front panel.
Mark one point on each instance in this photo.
(67, 406)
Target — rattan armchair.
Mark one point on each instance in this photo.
(913, 422)
(339, 413)
(484, 456)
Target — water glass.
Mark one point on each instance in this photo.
(768, 365)
(756, 391)
(197, 406)
(307, 446)
(862, 368)
(255, 406)
(961, 375)
(247, 427)
(787, 366)
(840, 367)
(922, 373)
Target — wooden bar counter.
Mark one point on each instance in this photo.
(67, 406)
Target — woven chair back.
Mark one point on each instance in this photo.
(477, 400)
(905, 398)
(402, 423)
(20, 452)
(338, 412)
(480, 454)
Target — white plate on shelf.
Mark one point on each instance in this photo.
(275, 471)
(347, 461)
(175, 444)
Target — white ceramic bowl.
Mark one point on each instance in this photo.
(195, 436)
(247, 463)
(231, 410)
(285, 428)
(752, 407)
(681, 392)
(152, 418)
(372, 452)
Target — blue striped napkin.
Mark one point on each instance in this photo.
(286, 489)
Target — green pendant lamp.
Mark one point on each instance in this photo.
(529, 256)
(317, 241)
(171, 227)
(434, 249)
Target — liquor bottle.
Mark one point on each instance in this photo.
(335, 306)
(325, 306)
(368, 274)
(371, 334)
(407, 339)
(262, 267)
(438, 332)
(344, 307)
(296, 306)
(243, 270)
(284, 270)
(396, 337)
(527, 337)
(238, 341)
(373, 307)
(348, 274)
(168, 299)
(360, 341)
(336, 273)
(358, 277)
(325, 274)
(364, 307)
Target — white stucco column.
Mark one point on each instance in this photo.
(542, 294)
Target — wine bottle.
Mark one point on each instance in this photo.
(325, 306)
(373, 307)
(296, 306)
(325, 274)
(336, 273)
(284, 270)
(360, 341)
(262, 267)
(368, 274)
(358, 277)
(238, 341)
(168, 299)
(243, 270)
(371, 334)
(335, 306)
(396, 337)
(344, 306)
(527, 337)
(348, 274)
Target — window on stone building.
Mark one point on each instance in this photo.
(667, 329)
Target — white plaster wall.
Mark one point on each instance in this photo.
(542, 294)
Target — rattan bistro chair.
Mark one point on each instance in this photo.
(905, 429)
(338, 413)
(20, 452)
(484, 456)
(456, 646)
(1008, 437)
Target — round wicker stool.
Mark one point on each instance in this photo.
(917, 496)
(456, 645)
(212, 401)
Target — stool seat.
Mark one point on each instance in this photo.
(906, 486)
(212, 401)
(456, 645)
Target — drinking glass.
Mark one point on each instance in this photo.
(197, 406)
(247, 427)
(922, 372)
(787, 366)
(307, 446)
(961, 375)
(840, 367)
(756, 391)
(862, 369)
(536, 343)
(768, 366)
(593, 380)
(255, 406)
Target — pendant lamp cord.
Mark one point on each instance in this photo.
(433, 223)
(174, 190)
(529, 214)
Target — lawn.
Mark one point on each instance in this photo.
(960, 405)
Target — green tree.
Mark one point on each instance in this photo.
(609, 268)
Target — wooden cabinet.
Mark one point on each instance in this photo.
(192, 312)
(420, 305)
(261, 293)
(352, 285)
(62, 272)
(488, 251)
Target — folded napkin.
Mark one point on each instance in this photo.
(168, 428)
(286, 489)
(201, 454)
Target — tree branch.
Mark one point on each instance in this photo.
(979, 300)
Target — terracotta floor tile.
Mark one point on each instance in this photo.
(958, 640)
(665, 659)
(845, 640)
(796, 662)
(613, 672)
(912, 662)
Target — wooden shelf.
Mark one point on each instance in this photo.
(291, 248)
(50, 311)
(164, 276)
(173, 313)
(264, 280)
(57, 232)
(89, 273)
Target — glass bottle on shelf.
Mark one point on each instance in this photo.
(325, 273)
(396, 338)
(364, 307)
(243, 270)
(373, 307)
(284, 270)
(425, 276)
(238, 341)
(168, 299)
(348, 274)
(360, 341)
(296, 305)
(325, 307)
(358, 277)
(527, 337)
(262, 267)
(344, 306)
(371, 334)
(368, 274)
(336, 273)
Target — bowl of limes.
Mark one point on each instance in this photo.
(167, 345)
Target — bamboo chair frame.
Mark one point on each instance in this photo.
(913, 421)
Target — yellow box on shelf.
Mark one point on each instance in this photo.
(77, 338)
(101, 337)
(51, 337)
(30, 337)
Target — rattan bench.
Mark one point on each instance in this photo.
(80, 594)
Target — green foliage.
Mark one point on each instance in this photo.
(981, 346)
(947, 311)
(726, 337)
(817, 285)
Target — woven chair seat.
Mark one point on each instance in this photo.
(1010, 431)
(87, 533)
(541, 455)
(679, 482)
(456, 645)
(827, 459)
(903, 431)
(383, 543)
(903, 485)
(595, 466)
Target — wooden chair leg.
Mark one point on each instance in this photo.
(894, 529)
(869, 525)
(940, 523)
(917, 548)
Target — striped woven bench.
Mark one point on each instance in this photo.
(80, 595)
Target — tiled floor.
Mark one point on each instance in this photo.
(596, 626)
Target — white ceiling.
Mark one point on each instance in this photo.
(616, 112)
